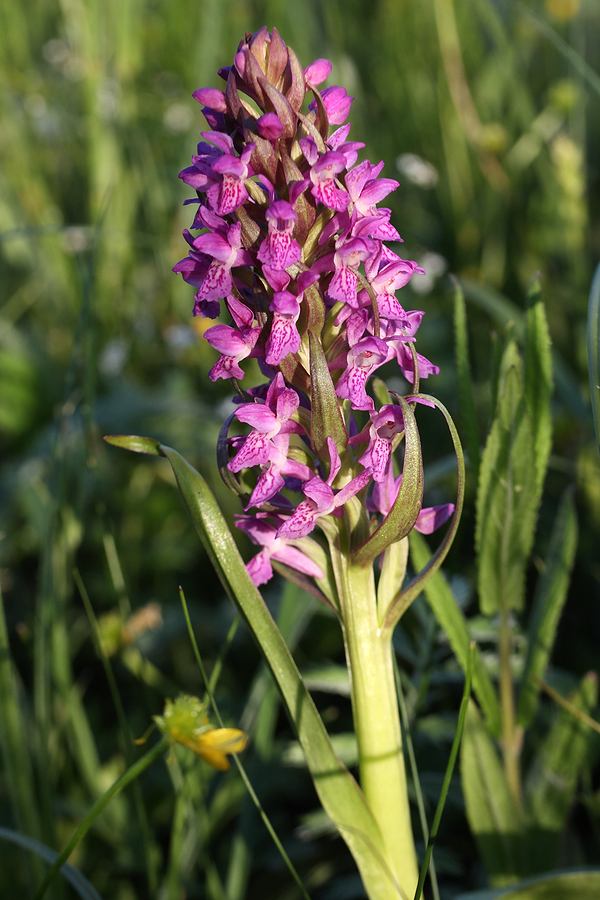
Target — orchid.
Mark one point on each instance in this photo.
(300, 263)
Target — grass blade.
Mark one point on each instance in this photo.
(465, 381)
(439, 811)
(77, 881)
(549, 599)
(453, 624)
(593, 338)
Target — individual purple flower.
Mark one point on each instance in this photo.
(322, 175)
(362, 360)
(337, 103)
(279, 249)
(385, 425)
(234, 344)
(365, 187)
(346, 260)
(321, 499)
(284, 337)
(268, 419)
(224, 247)
(230, 191)
(261, 528)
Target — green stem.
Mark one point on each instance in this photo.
(86, 823)
(376, 720)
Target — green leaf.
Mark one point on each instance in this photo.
(549, 598)
(15, 738)
(134, 442)
(593, 340)
(338, 792)
(493, 817)
(80, 885)
(552, 780)
(326, 418)
(508, 497)
(582, 885)
(403, 514)
(538, 381)
(465, 380)
(406, 596)
(454, 625)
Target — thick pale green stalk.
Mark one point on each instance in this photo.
(376, 720)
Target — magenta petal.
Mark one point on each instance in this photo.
(295, 559)
(287, 404)
(433, 517)
(337, 103)
(300, 523)
(283, 340)
(318, 72)
(257, 415)
(226, 340)
(255, 451)
(259, 568)
(352, 488)
(269, 483)
(226, 367)
(335, 464)
(214, 245)
(320, 493)
(211, 97)
(343, 285)
(377, 457)
(269, 126)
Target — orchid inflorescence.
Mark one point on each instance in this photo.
(290, 237)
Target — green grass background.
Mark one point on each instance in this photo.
(500, 104)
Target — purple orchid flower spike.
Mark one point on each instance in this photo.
(285, 211)
(290, 248)
(262, 530)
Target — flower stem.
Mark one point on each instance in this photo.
(377, 721)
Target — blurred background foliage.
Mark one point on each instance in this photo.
(488, 113)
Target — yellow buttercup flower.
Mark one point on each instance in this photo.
(185, 721)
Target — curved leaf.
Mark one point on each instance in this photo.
(338, 792)
(403, 514)
(406, 596)
(579, 885)
(77, 881)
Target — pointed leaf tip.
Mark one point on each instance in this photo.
(135, 443)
